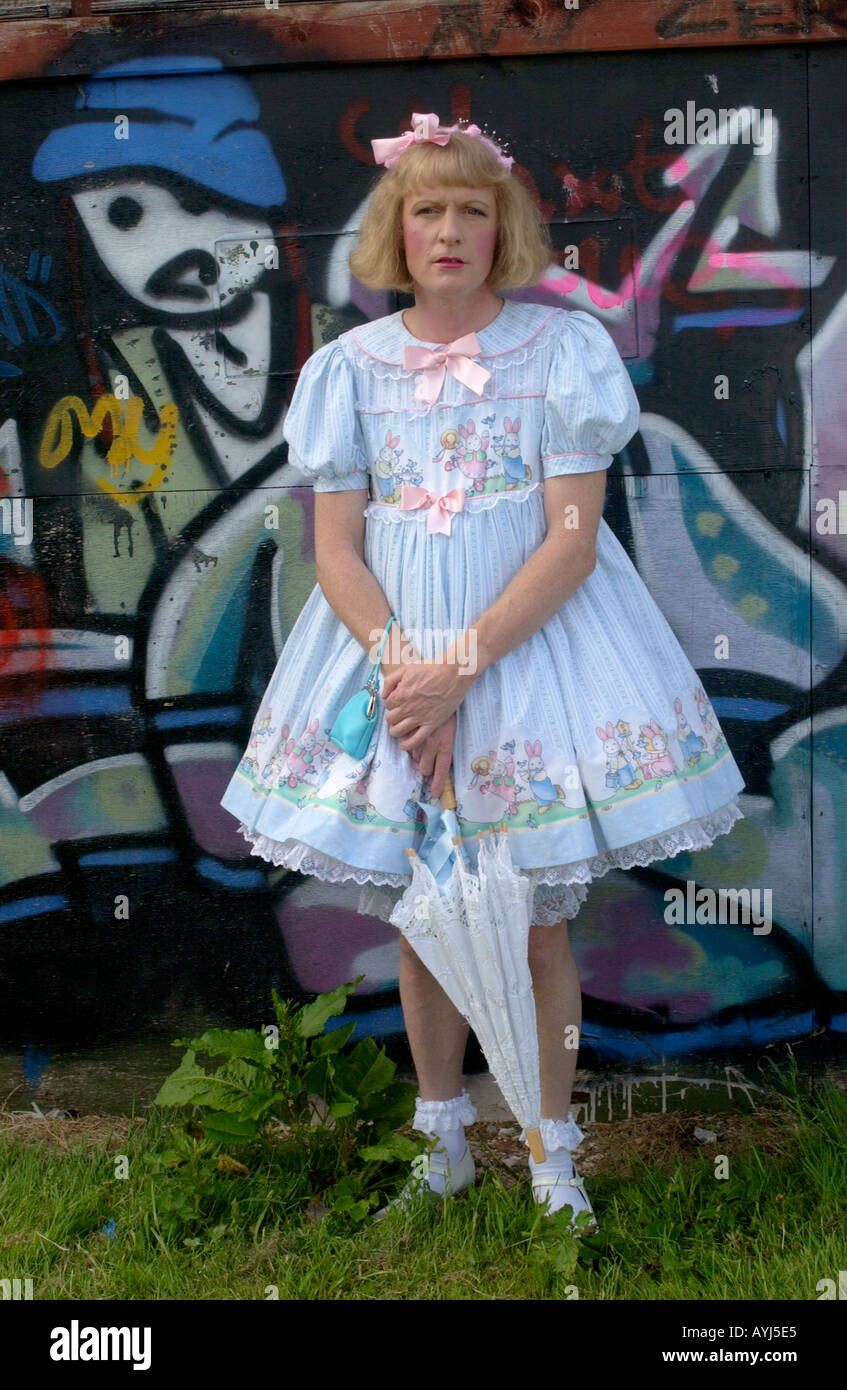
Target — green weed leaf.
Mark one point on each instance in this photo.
(333, 1041)
(314, 1016)
(395, 1146)
(345, 1105)
(228, 1129)
(188, 1085)
(222, 1042)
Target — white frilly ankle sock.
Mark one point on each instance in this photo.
(557, 1135)
(558, 1138)
(446, 1119)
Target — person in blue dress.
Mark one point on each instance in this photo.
(528, 643)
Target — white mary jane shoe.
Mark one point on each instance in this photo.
(457, 1177)
(543, 1185)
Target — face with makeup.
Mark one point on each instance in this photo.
(450, 238)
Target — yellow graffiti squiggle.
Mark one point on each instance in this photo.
(57, 439)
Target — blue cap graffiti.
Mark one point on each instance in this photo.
(201, 131)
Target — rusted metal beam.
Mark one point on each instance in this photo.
(366, 31)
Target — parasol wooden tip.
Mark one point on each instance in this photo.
(536, 1145)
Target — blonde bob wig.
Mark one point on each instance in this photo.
(523, 250)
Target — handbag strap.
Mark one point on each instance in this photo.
(375, 668)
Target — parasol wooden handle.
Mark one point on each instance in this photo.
(448, 796)
(536, 1146)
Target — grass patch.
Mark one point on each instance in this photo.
(669, 1227)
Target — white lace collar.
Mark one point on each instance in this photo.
(517, 323)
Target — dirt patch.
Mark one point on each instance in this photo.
(609, 1149)
(60, 1134)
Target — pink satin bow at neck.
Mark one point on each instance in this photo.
(455, 358)
(438, 517)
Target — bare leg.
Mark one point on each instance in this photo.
(558, 1008)
(558, 1003)
(437, 1032)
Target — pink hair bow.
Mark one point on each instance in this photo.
(455, 358)
(439, 518)
(424, 128)
(427, 128)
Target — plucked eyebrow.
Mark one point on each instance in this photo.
(437, 203)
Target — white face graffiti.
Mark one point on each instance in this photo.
(166, 257)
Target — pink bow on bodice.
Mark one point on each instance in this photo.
(455, 358)
(438, 518)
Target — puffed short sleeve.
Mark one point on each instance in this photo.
(322, 427)
(590, 408)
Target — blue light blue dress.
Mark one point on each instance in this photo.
(593, 739)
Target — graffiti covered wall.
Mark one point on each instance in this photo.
(173, 245)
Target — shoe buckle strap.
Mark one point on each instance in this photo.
(556, 1180)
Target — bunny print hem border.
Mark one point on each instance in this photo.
(634, 759)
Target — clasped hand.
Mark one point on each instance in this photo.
(419, 697)
(415, 706)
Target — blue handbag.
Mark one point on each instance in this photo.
(355, 723)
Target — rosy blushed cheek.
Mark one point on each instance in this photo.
(413, 239)
(488, 242)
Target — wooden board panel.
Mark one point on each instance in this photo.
(396, 31)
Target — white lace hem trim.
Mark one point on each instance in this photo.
(434, 1116)
(294, 854)
(558, 1134)
(548, 911)
(693, 835)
